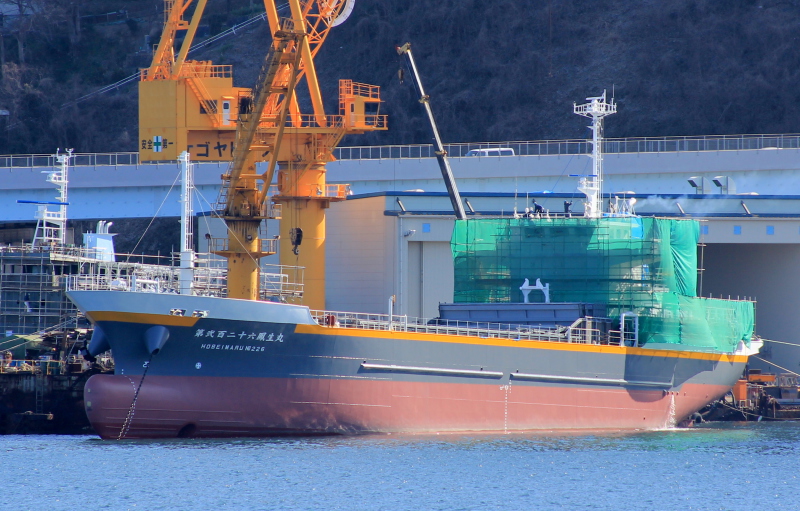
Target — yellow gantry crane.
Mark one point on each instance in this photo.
(193, 105)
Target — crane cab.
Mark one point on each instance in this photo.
(359, 106)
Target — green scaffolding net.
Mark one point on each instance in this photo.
(644, 265)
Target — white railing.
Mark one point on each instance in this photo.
(55, 251)
(581, 334)
(579, 146)
(265, 245)
(78, 160)
(521, 148)
(160, 282)
(276, 280)
(280, 283)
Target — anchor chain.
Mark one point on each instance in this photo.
(126, 426)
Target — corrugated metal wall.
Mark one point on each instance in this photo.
(430, 277)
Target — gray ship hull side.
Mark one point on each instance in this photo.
(310, 363)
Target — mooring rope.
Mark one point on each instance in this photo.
(126, 426)
(776, 365)
(782, 342)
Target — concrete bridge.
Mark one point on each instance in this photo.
(744, 189)
(116, 185)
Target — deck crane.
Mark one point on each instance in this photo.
(193, 105)
(242, 202)
(441, 153)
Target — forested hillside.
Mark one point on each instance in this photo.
(501, 70)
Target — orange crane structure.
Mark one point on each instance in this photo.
(193, 105)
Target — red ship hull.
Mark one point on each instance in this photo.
(173, 406)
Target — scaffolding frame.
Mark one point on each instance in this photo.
(629, 264)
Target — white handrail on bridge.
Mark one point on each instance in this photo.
(579, 146)
(521, 148)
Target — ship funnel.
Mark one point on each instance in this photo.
(99, 343)
(155, 337)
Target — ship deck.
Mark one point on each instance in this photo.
(581, 331)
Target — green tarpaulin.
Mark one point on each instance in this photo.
(644, 265)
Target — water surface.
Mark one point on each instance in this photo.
(741, 466)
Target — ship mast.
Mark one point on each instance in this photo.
(51, 226)
(187, 224)
(592, 186)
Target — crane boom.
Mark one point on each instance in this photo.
(243, 194)
(266, 87)
(441, 153)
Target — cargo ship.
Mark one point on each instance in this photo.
(610, 335)
(212, 367)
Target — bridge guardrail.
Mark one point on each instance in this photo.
(579, 146)
(78, 160)
(521, 148)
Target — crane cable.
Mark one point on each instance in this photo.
(166, 196)
(211, 208)
(294, 219)
(216, 214)
(555, 185)
(208, 227)
(211, 40)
